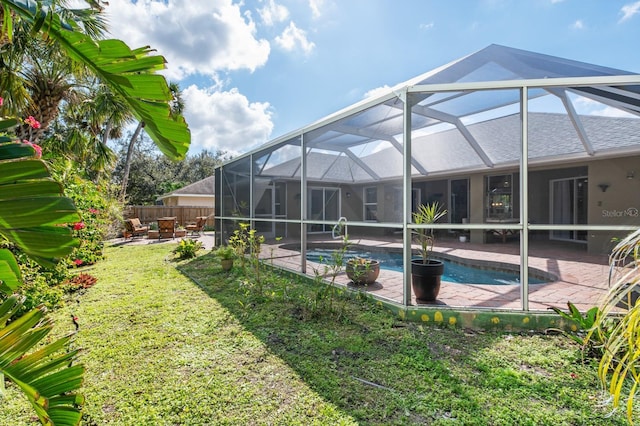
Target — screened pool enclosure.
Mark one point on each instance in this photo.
(535, 158)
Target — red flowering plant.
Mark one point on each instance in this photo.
(92, 230)
(7, 123)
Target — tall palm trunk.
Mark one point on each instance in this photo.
(127, 164)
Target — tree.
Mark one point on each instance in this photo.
(33, 216)
(33, 211)
(152, 175)
(177, 108)
(38, 76)
(130, 73)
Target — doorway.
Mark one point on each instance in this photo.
(569, 200)
(459, 211)
(324, 204)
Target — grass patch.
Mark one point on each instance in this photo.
(161, 349)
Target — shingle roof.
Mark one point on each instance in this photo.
(462, 119)
(205, 186)
(551, 137)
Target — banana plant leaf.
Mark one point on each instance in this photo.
(33, 213)
(129, 72)
(10, 277)
(35, 216)
(46, 376)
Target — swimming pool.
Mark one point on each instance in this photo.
(454, 272)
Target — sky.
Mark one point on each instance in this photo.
(254, 70)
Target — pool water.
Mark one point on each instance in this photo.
(453, 272)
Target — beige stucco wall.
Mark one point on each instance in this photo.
(619, 204)
(476, 206)
(182, 200)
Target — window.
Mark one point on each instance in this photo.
(370, 198)
(499, 197)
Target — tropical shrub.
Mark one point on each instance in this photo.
(619, 368)
(583, 334)
(98, 209)
(187, 248)
(33, 212)
(239, 241)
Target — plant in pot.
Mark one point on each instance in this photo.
(426, 272)
(362, 271)
(226, 254)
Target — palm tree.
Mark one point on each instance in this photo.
(86, 124)
(33, 211)
(36, 76)
(48, 78)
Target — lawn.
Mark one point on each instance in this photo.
(183, 343)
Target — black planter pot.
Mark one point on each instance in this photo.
(425, 279)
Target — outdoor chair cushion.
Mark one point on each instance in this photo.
(198, 225)
(135, 228)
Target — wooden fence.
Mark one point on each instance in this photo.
(184, 214)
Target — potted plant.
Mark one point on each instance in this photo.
(362, 271)
(226, 255)
(426, 272)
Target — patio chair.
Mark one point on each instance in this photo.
(166, 227)
(197, 226)
(134, 228)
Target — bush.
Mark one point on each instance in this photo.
(97, 209)
(187, 248)
(40, 285)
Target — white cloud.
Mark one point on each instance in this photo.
(556, 1)
(608, 111)
(273, 13)
(578, 25)
(196, 37)
(427, 26)
(378, 91)
(226, 120)
(588, 106)
(629, 10)
(316, 6)
(293, 37)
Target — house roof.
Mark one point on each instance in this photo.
(201, 188)
(466, 115)
(551, 137)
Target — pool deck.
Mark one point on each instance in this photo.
(581, 277)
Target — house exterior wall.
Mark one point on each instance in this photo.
(619, 204)
(183, 200)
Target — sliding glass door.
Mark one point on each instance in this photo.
(324, 204)
(569, 207)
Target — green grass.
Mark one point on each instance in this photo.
(161, 349)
